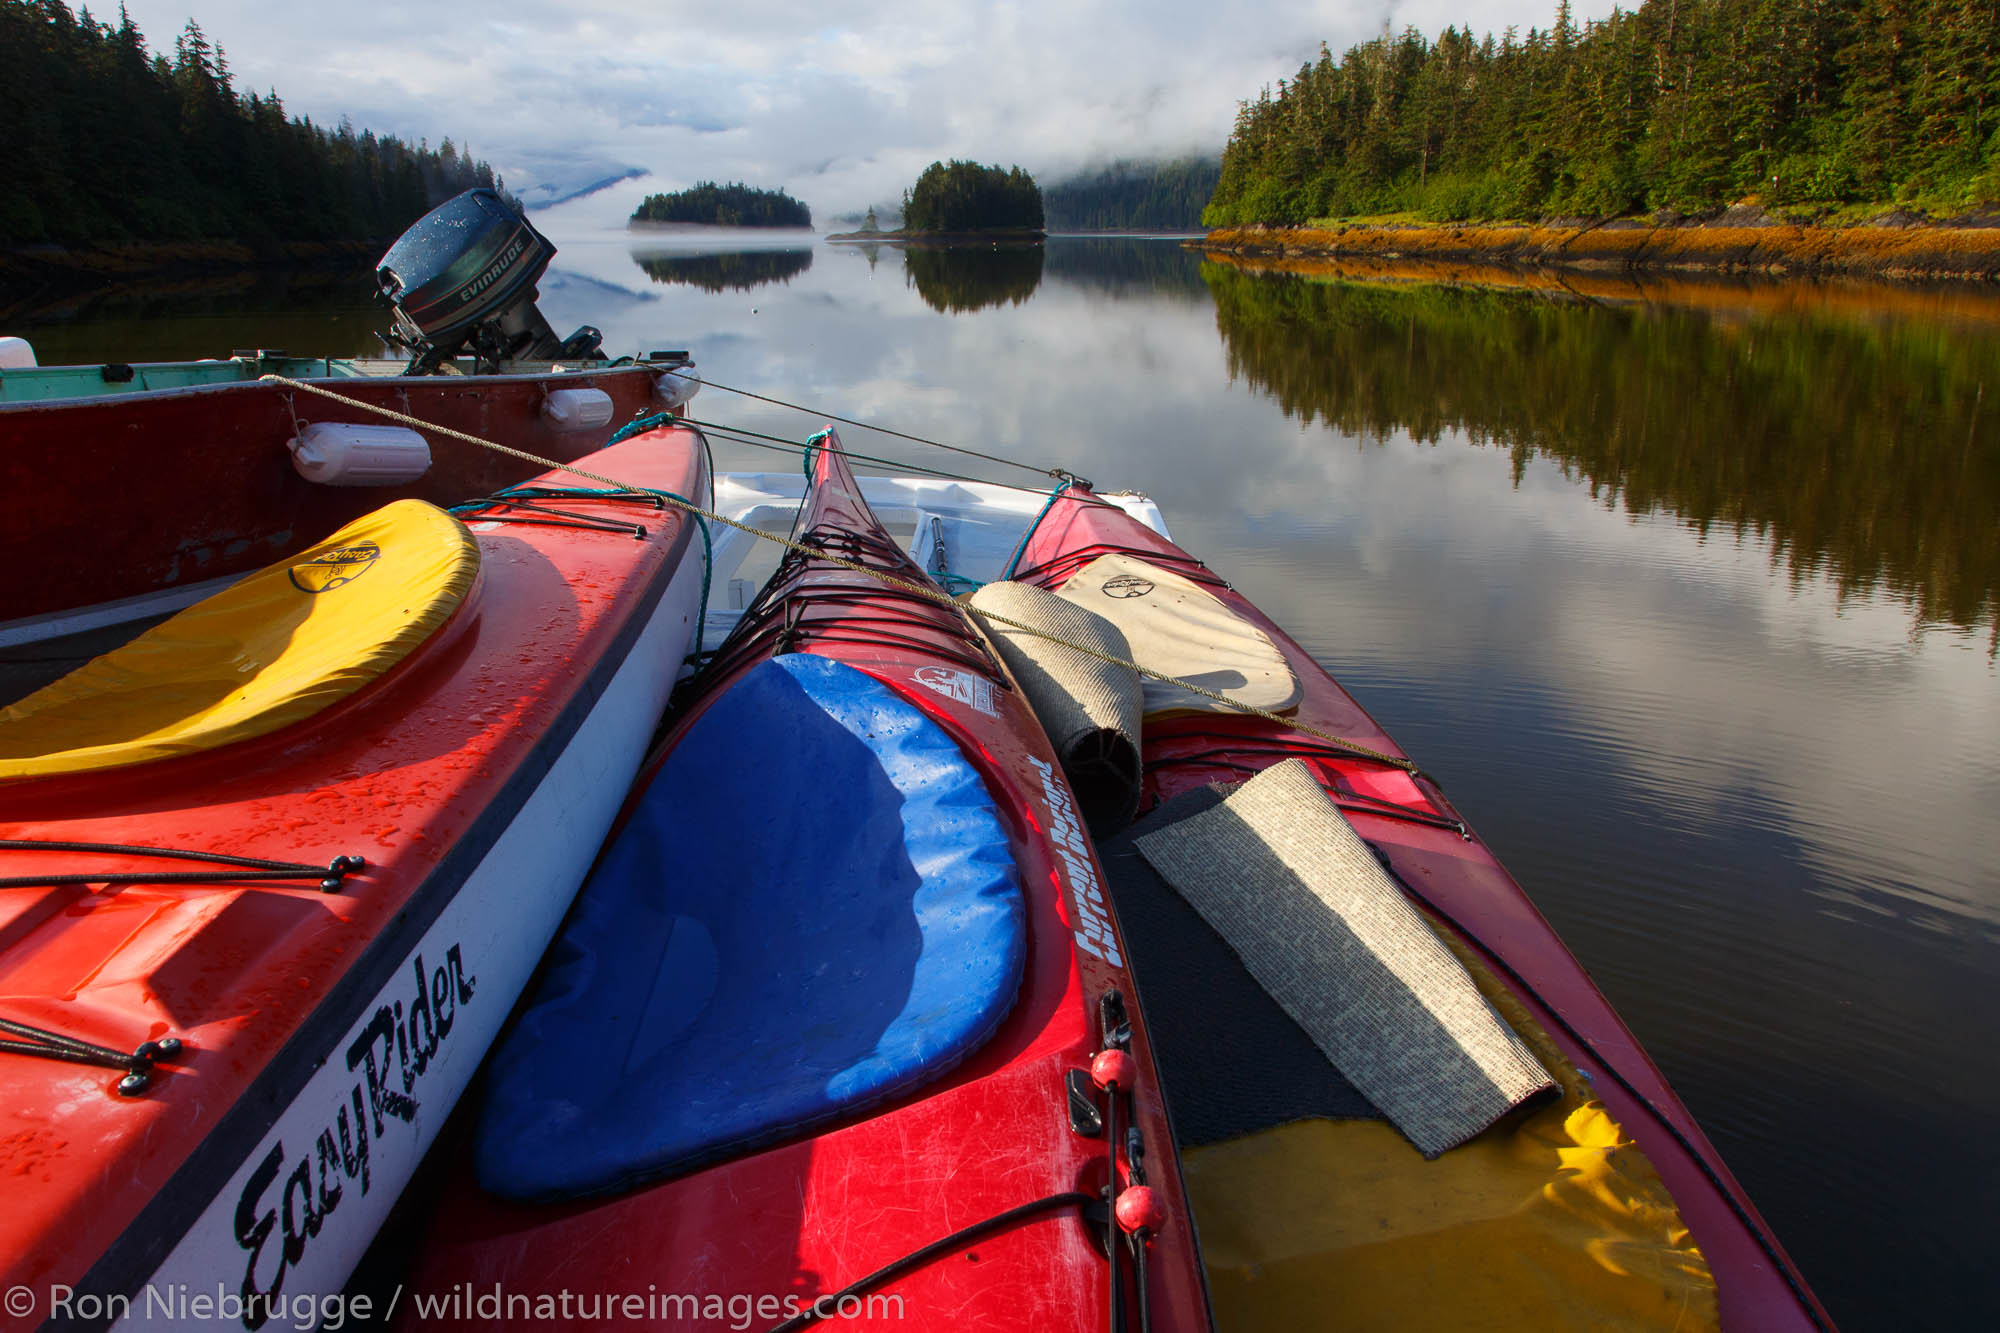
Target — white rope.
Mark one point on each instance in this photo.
(928, 594)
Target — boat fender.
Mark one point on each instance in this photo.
(672, 390)
(340, 453)
(577, 409)
(16, 354)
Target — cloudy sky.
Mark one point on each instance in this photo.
(841, 104)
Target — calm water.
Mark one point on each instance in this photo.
(1686, 592)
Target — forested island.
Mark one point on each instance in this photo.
(160, 158)
(965, 199)
(731, 205)
(1809, 112)
(1134, 196)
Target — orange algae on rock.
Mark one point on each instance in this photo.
(1742, 240)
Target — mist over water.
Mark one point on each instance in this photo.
(1686, 592)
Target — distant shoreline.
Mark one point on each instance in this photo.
(1740, 240)
(36, 271)
(1013, 235)
(646, 224)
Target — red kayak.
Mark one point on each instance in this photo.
(1601, 1205)
(272, 874)
(840, 1028)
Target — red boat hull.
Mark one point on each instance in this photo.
(160, 489)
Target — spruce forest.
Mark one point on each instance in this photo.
(109, 142)
(1167, 195)
(732, 205)
(965, 196)
(1683, 105)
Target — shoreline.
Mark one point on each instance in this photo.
(998, 236)
(1741, 240)
(35, 273)
(1856, 294)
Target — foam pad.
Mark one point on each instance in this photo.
(1089, 707)
(1280, 874)
(268, 651)
(814, 908)
(1180, 629)
(1204, 1009)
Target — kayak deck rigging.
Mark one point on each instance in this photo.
(871, 612)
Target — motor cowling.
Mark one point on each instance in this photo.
(464, 276)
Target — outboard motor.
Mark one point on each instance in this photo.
(464, 276)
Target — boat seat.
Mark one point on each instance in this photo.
(813, 908)
(270, 650)
(1179, 628)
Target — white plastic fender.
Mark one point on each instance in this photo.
(673, 389)
(16, 354)
(338, 453)
(577, 409)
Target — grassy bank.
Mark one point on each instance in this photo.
(1744, 239)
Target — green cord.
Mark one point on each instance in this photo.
(637, 426)
(525, 490)
(1022, 549)
(813, 445)
(707, 572)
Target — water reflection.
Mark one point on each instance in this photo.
(1862, 440)
(957, 279)
(735, 272)
(326, 310)
(1125, 269)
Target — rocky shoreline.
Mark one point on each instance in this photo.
(1740, 240)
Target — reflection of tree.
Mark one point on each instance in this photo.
(1122, 266)
(728, 272)
(1868, 447)
(324, 310)
(959, 278)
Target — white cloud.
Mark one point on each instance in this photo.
(842, 108)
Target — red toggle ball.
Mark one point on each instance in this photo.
(1139, 1209)
(1112, 1069)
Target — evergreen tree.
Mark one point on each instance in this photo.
(1683, 104)
(732, 205)
(1134, 195)
(964, 196)
(107, 141)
